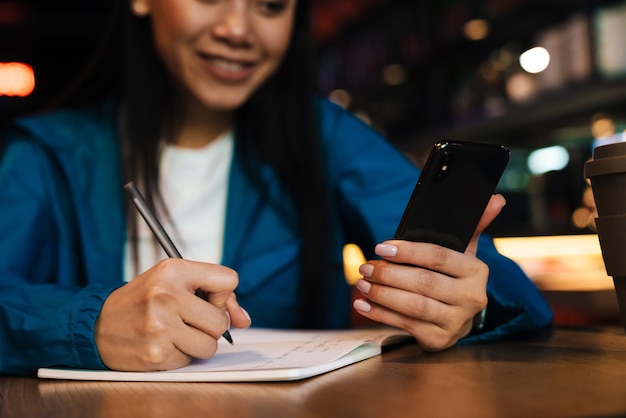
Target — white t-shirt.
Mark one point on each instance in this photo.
(194, 186)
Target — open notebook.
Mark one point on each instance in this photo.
(262, 355)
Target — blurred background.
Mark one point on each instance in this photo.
(546, 78)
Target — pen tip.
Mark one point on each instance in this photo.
(228, 337)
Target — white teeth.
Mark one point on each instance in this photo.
(227, 65)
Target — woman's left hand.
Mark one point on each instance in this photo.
(428, 290)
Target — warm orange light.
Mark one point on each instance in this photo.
(559, 262)
(16, 79)
(476, 29)
(602, 125)
(352, 259)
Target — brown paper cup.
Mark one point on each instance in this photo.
(607, 174)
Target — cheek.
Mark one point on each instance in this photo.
(276, 40)
(171, 25)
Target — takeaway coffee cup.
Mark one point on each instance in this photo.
(607, 173)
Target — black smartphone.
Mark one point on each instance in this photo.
(452, 193)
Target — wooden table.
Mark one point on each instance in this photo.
(561, 373)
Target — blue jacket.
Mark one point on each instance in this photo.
(63, 232)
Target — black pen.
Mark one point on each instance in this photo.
(157, 229)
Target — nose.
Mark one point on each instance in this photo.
(234, 24)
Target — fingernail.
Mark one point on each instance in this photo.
(247, 315)
(228, 316)
(366, 270)
(361, 305)
(364, 286)
(386, 250)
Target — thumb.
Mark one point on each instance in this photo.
(239, 316)
(493, 209)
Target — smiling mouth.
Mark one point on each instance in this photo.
(227, 65)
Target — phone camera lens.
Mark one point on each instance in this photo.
(444, 165)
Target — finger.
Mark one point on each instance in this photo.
(195, 343)
(153, 354)
(203, 315)
(429, 256)
(172, 291)
(493, 209)
(413, 281)
(411, 305)
(239, 317)
(429, 335)
(178, 282)
(211, 278)
(216, 280)
(155, 359)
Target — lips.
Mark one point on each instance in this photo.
(227, 65)
(228, 69)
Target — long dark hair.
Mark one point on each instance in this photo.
(278, 125)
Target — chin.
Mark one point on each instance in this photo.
(225, 97)
(224, 103)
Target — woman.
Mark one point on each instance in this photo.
(260, 186)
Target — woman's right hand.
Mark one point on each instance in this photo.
(156, 322)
